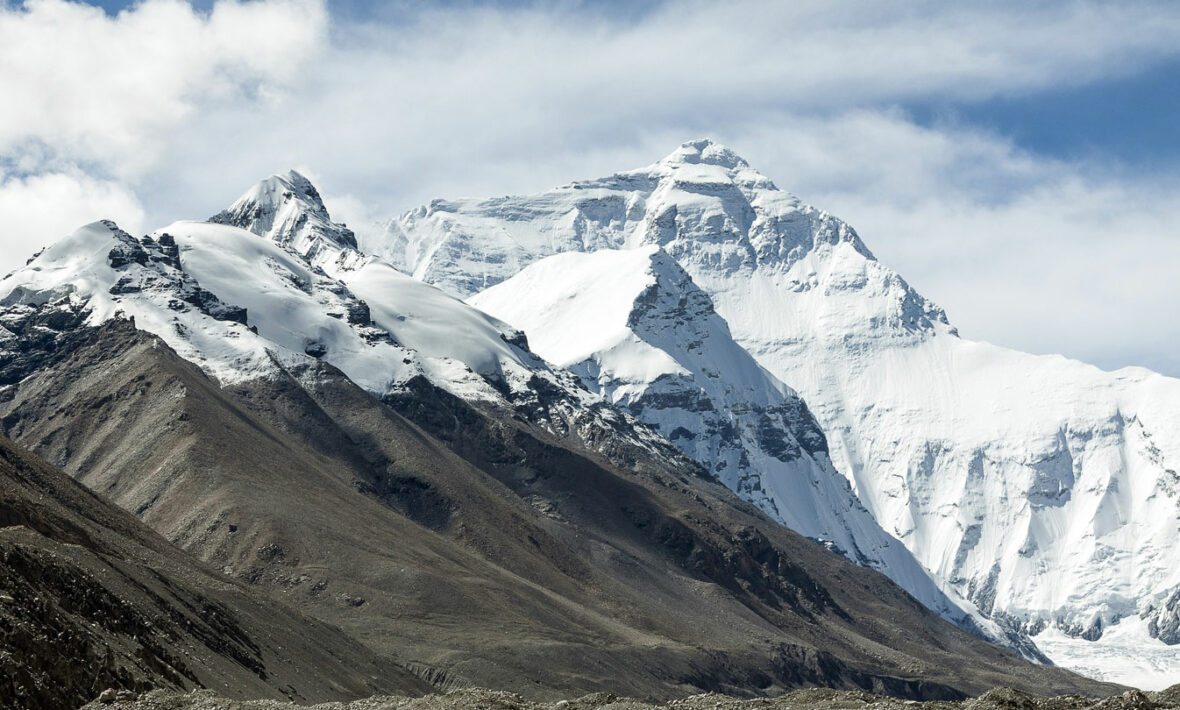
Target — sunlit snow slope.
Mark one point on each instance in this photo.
(636, 328)
(1043, 489)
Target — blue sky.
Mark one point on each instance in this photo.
(1018, 163)
(1130, 120)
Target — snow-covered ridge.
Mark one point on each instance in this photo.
(456, 346)
(219, 296)
(244, 304)
(637, 330)
(1043, 489)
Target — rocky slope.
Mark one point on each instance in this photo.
(91, 599)
(483, 550)
(1041, 489)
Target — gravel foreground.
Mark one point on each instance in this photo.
(814, 699)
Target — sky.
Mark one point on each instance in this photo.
(1017, 162)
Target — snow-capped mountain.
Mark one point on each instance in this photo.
(481, 489)
(455, 346)
(272, 283)
(288, 210)
(1043, 489)
(635, 328)
(243, 307)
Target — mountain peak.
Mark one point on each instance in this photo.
(293, 176)
(705, 151)
(287, 209)
(281, 188)
(302, 189)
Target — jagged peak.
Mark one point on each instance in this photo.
(705, 151)
(294, 177)
(287, 208)
(280, 188)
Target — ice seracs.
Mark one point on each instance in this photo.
(1040, 488)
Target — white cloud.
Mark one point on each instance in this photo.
(40, 209)
(479, 100)
(106, 91)
(186, 110)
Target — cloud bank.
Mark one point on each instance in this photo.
(162, 112)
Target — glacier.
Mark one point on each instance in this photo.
(1042, 489)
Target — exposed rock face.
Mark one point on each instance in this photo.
(1164, 621)
(165, 276)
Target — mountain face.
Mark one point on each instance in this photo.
(1041, 489)
(636, 329)
(91, 599)
(389, 460)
